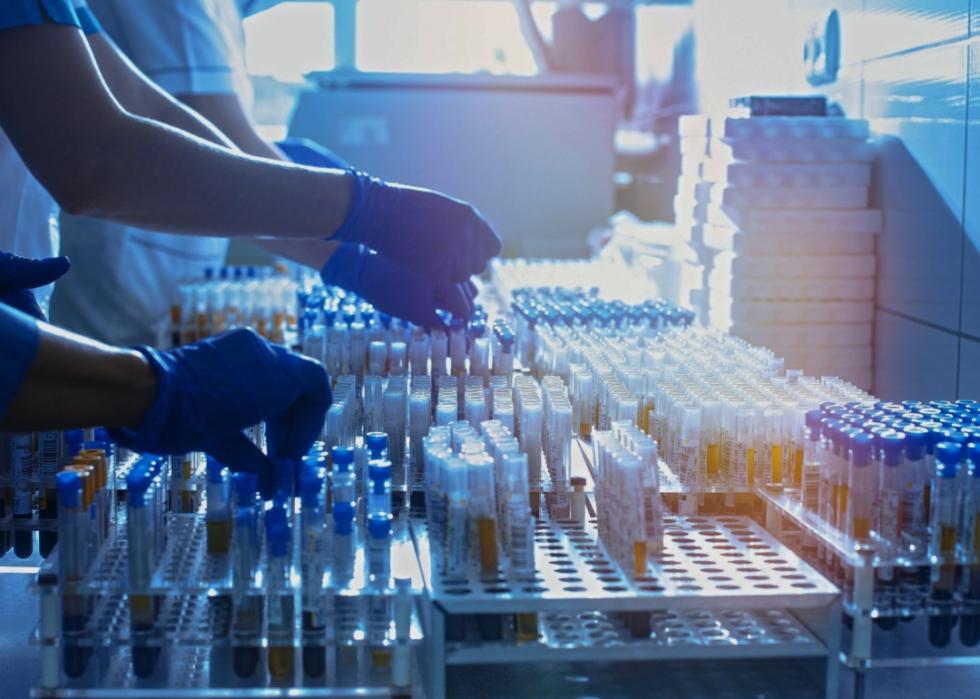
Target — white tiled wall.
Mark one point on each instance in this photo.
(914, 361)
(912, 67)
(918, 64)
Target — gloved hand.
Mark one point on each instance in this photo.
(398, 291)
(303, 151)
(435, 236)
(18, 275)
(209, 391)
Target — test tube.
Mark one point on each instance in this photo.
(503, 357)
(945, 513)
(457, 513)
(970, 530)
(378, 358)
(842, 474)
(891, 491)
(418, 352)
(245, 552)
(22, 471)
(342, 477)
(860, 485)
(50, 456)
(373, 404)
(446, 412)
(379, 487)
(401, 670)
(420, 419)
(279, 597)
(312, 561)
(711, 423)
(810, 479)
(482, 510)
(438, 350)
(141, 603)
(917, 479)
(379, 549)
(775, 453)
(72, 569)
(218, 516)
(394, 421)
(457, 347)
(397, 358)
(344, 544)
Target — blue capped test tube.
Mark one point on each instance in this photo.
(313, 544)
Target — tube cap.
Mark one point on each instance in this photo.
(69, 488)
(73, 442)
(376, 443)
(861, 449)
(915, 442)
(379, 525)
(343, 517)
(975, 458)
(948, 456)
(893, 443)
(343, 457)
(813, 424)
(379, 469)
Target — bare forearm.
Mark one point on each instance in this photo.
(75, 382)
(228, 114)
(168, 180)
(140, 96)
(312, 253)
(115, 165)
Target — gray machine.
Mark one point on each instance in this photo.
(534, 154)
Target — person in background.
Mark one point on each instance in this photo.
(124, 278)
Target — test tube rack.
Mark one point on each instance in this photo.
(877, 617)
(722, 588)
(191, 647)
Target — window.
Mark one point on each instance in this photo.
(289, 40)
(443, 36)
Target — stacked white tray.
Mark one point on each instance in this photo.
(778, 209)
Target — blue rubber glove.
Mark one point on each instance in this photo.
(209, 391)
(434, 235)
(396, 290)
(18, 275)
(303, 151)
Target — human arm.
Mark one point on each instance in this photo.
(115, 165)
(195, 398)
(54, 379)
(112, 164)
(140, 96)
(227, 113)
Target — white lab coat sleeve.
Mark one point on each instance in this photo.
(184, 46)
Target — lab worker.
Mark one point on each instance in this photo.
(124, 278)
(117, 147)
